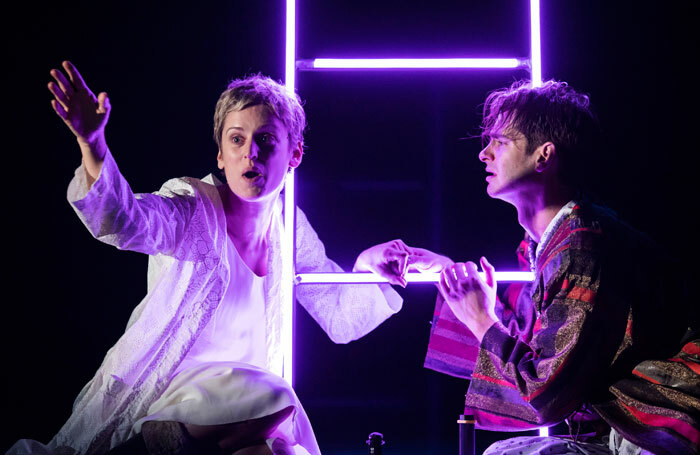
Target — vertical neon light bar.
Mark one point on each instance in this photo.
(290, 47)
(536, 76)
(288, 256)
(535, 44)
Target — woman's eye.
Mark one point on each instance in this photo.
(236, 139)
(267, 139)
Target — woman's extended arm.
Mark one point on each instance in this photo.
(148, 223)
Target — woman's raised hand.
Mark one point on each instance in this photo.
(85, 114)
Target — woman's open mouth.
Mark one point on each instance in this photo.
(252, 174)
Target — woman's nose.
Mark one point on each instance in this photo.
(253, 151)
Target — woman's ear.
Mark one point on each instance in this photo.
(297, 155)
(220, 160)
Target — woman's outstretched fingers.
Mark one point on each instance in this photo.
(58, 94)
(58, 108)
(104, 105)
(63, 83)
(75, 76)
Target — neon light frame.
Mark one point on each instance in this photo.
(289, 277)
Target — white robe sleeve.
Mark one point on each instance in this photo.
(346, 312)
(147, 223)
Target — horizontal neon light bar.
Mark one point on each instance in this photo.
(413, 277)
(409, 63)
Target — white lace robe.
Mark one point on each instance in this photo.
(182, 227)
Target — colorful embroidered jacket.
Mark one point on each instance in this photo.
(600, 325)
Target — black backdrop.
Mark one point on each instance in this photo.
(385, 159)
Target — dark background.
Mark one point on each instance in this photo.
(385, 159)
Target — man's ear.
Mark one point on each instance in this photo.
(545, 156)
(297, 154)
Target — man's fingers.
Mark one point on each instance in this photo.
(75, 76)
(473, 272)
(489, 272)
(461, 271)
(63, 82)
(451, 278)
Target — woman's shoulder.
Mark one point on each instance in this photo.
(206, 187)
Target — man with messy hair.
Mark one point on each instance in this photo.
(594, 339)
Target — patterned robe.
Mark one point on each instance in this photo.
(183, 229)
(598, 329)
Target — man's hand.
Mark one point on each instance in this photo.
(471, 298)
(388, 260)
(84, 113)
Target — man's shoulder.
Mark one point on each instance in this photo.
(590, 229)
(581, 229)
(589, 221)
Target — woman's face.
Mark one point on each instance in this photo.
(256, 153)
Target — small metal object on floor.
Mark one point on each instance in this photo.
(375, 442)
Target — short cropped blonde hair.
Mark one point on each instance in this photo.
(261, 90)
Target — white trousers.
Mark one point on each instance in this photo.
(217, 393)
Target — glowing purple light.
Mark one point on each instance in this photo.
(535, 45)
(290, 46)
(287, 282)
(413, 277)
(409, 63)
(291, 64)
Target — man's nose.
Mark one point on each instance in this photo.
(485, 154)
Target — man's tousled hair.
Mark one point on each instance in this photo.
(553, 112)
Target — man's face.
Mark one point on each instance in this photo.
(255, 153)
(509, 166)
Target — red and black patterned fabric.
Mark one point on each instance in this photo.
(598, 328)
